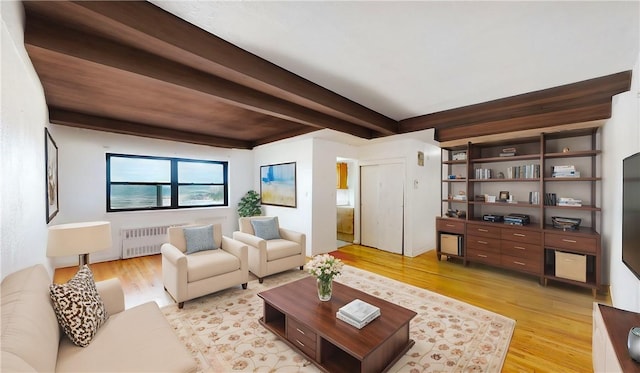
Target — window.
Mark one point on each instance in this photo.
(147, 183)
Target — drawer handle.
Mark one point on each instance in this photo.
(300, 343)
(570, 241)
(483, 242)
(519, 234)
(450, 225)
(519, 247)
(483, 230)
(300, 331)
(519, 263)
(482, 255)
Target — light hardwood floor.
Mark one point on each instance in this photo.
(553, 323)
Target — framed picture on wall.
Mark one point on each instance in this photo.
(51, 175)
(278, 184)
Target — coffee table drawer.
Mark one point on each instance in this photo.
(302, 337)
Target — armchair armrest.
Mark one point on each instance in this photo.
(237, 248)
(112, 295)
(250, 240)
(294, 236)
(173, 255)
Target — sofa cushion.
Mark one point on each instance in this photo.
(267, 229)
(78, 306)
(199, 239)
(278, 249)
(139, 339)
(207, 264)
(28, 321)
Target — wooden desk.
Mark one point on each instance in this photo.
(295, 314)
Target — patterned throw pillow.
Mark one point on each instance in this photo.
(78, 306)
(267, 229)
(199, 239)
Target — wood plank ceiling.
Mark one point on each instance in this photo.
(132, 68)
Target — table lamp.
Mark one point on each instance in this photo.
(79, 239)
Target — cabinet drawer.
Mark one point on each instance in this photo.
(531, 265)
(572, 243)
(483, 243)
(451, 226)
(521, 250)
(521, 235)
(484, 230)
(301, 337)
(482, 256)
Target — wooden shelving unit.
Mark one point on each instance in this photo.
(536, 153)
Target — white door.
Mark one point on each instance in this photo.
(382, 206)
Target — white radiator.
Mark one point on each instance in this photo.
(144, 240)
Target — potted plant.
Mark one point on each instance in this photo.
(249, 205)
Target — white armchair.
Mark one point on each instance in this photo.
(189, 275)
(280, 251)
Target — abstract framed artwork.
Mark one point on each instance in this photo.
(278, 184)
(51, 175)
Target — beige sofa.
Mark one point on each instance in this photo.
(135, 340)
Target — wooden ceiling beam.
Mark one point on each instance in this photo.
(538, 103)
(43, 37)
(92, 122)
(135, 23)
(593, 112)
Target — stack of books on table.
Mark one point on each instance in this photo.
(564, 171)
(358, 313)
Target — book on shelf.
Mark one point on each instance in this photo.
(567, 201)
(550, 199)
(564, 171)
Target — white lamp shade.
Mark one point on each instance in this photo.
(78, 238)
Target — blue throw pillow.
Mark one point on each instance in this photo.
(267, 229)
(199, 239)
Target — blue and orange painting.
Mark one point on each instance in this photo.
(278, 184)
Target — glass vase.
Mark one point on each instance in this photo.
(324, 289)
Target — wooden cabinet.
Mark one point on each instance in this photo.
(610, 332)
(341, 175)
(526, 170)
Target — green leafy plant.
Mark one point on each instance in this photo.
(249, 205)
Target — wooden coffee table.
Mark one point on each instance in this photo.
(295, 314)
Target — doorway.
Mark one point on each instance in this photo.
(382, 206)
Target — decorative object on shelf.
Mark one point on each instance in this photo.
(51, 177)
(633, 343)
(325, 268)
(566, 224)
(490, 199)
(493, 218)
(456, 214)
(249, 205)
(459, 156)
(278, 184)
(503, 196)
(565, 150)
(500, 175)
(517, 219)
(479, 198)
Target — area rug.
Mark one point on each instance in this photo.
(223, 334)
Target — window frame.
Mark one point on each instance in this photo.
(173, 184)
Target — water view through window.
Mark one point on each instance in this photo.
(136, 183)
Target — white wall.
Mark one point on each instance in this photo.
(621, 138)
(23, 228)
(299, 218)
(82, 182)
(422, 186)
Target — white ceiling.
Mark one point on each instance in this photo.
(404, 59)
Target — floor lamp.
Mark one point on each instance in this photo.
(79, 239)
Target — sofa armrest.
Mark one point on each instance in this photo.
(112, 295)
(250, 240)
